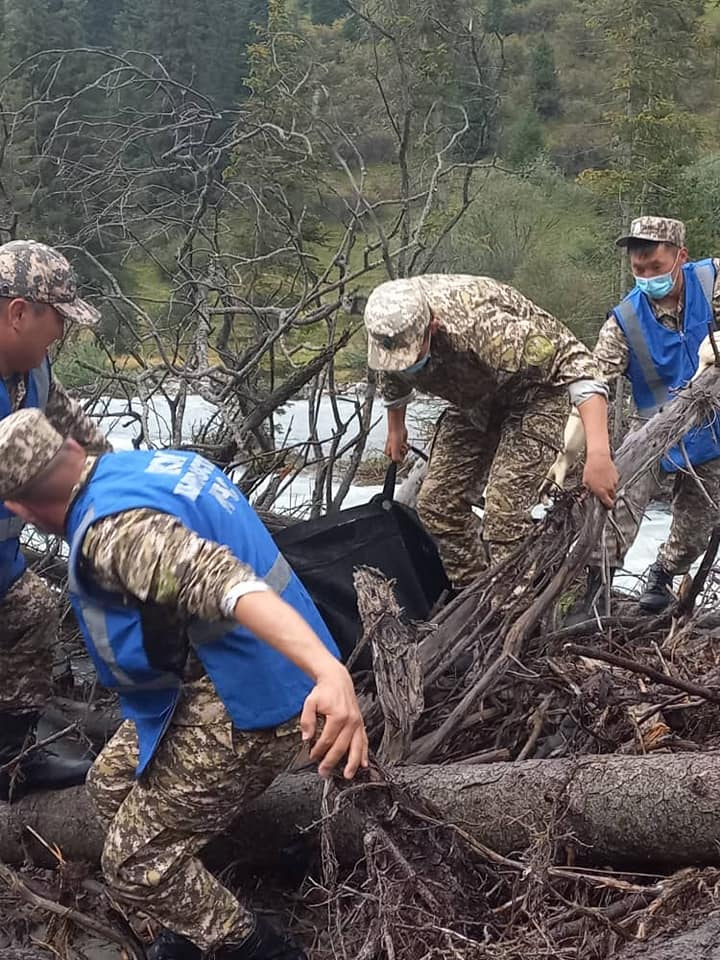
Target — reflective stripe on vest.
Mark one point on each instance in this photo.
(705, 274)
(97, 626)
(277, 578)
(41, 376)
(638, 344)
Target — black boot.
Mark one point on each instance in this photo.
(657, 596)
(40, 770)
(172, 946)
(263, 944)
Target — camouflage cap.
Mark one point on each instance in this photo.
(27, 445)
(397, 316)
(41, 274)
(659, 229)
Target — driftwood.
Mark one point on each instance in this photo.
(658, 810)
(396, 666)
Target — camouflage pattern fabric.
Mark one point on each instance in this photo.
(202, 776)
(41, 274)
(612, 352)
(511, 454)
(70, 420)
(28, 627)
(397, 316)
(154, 556)
(29, 443)
(64, 413)
(693, 518)
(657, 229)
(28, 612)
(493, 346)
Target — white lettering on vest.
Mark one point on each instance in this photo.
(167, 463)
(195, 478)
(225, 494)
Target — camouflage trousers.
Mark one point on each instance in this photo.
(28, 628)
(693, 518)
(511, 456)
(203, 774)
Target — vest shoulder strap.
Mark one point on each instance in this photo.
(704, 270)
(632, 328)
(41, 376)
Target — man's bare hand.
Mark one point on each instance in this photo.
(333, 698)
(601, 478)
(396, 445)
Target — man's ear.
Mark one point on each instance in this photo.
(16, 311)
(683, 255)
(20, 510)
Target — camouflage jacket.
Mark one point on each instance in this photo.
(611, 349)
(494, 347)
(64, 413)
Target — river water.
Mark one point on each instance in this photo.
(292, 425)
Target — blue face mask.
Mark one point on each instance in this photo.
(657, 288)
(416, 367)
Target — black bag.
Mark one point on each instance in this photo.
(381, 533)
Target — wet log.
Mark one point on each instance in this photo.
(699, 943)
(657, 811)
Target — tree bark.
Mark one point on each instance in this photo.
(659, 811)
(700, 943)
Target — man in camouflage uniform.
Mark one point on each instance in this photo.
(165, 552)
(505, 366)
(676, 300)
(38, 295)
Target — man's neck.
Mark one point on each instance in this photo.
(6, 372)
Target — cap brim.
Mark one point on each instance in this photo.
(624, 241)
(399, 358)
(80, 312)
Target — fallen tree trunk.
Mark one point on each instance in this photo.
(661, 811)
(700, 943)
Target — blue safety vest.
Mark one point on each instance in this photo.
(259, 686)
(12, 562)
(663, 360)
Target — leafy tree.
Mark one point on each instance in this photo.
(525, 139)
(654, 136)
(543, 79)
(200, 44)
(326, 11)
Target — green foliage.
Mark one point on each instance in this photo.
(547, 237)
(603, 108)
(326, 11)
(80, 363)
(525, 141)
(655, 136)
(199, 43)
(543, 79)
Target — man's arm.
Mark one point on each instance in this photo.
(611, 350)
(396, 396)
(70, 420)
(152, 556)
(599, 475)
(333, 696)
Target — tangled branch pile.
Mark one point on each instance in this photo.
(541, 791)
